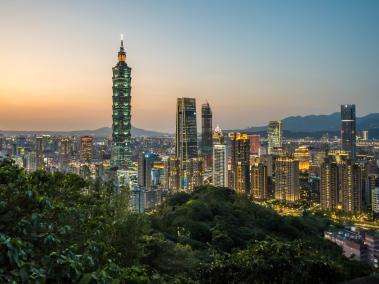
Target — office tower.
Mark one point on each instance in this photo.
(86, 144)
(145, 165)
(287, 179)
(255, 144)
(171, 180)
(240, 162)
(186, 129)
(274, 136)
(206, 127)
(348, 129)
(302, 155)
(259, 181)
(220, 159)
(186, 133)
(121, 126)
(193, 174)
(39, 153)
(329, 186)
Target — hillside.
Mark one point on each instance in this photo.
(100, 132)
(57, 228)
(321, 123)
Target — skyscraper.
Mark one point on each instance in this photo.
(171, 179)
(121, 108)
(86, 149)
(329, 184)
(186, 133)
(39, 153)
(259, 181)
(287, 179)
(206, 127)
(348, 129)
(240, 164)
(274, 136)
(220, 159)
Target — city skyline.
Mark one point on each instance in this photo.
(243, 59)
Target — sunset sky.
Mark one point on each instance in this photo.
(253, 61)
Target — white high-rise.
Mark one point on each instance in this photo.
(220, 159)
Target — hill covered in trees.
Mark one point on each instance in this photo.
(60, 228)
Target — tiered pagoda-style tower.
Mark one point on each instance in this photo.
(121, 153)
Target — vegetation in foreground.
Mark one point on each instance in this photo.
(60, 228)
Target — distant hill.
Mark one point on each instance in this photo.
(100, 132)
(312, 124)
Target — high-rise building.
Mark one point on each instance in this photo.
(186, 133)
(171, 180)
(86, 146)
(375, 200)
(348, 129)
(240, 162)
(341, 183)
(220, 159)
(186, 129)
(39, 153)
(121, 126)
(287, 186)
(145, 165)
(259, 181)
(64, 152)
(274, 136)
(351, 186)
(255, 144)
(193, 174)
(329, 184)
(206, 129)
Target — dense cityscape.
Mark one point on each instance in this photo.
(191, 196)
(338, 175)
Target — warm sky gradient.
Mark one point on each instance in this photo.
(252, 60)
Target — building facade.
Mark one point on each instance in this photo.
(259, 181)
(274, 136)
(348, 129)
(287, 186)
(206, 129)
(86, 147)
(121, 117)
(220, 159)
(240, 162)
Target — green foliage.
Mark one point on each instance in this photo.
(60, 228)
(63, 229)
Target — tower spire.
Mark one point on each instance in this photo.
(121, 53)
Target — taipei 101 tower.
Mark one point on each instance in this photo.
(121, 126)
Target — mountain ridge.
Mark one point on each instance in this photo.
(292, 125)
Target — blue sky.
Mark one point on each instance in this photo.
(253, 61)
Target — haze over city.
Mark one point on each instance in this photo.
(254, 61)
